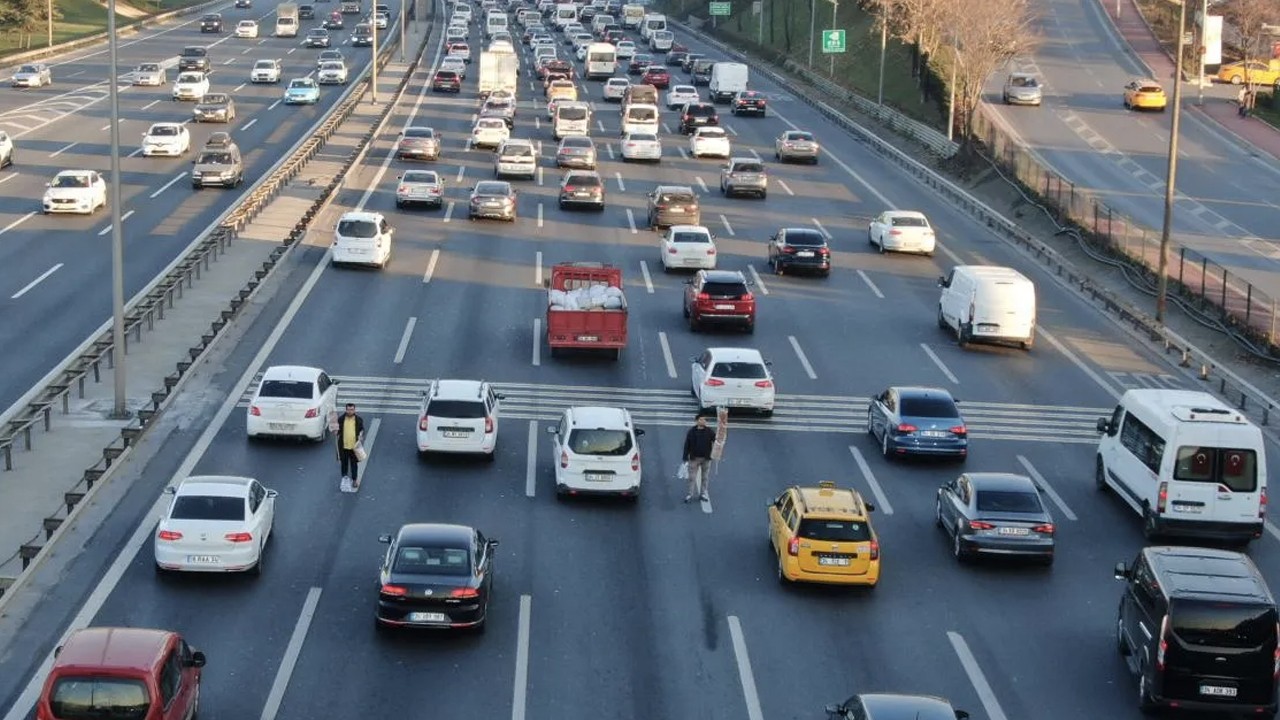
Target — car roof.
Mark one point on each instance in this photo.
(220, 485)
(798, 231)
(436, 534)
(356, 215)
(911, 707)
(1207, 573)
(291, 372)
(594, 416)
(921, 391)
(689, 228)
(904, 214)
(827, 499)
(673, 189)
(99, 649)
(457, 390)
(730, 354)
(1001, 481)
(724, 276)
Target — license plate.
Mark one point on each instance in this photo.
(1188, 508)
(676, 208)
(1218, 691)
(582, 193)
(281, 426)
(202, 559)
(739, 402)
(724, 307)
(934, 433)
(839, 561)
(597, 477)
(588, 338)
(457, 433)
(1014, 531)
(805, 253)
(427, 617)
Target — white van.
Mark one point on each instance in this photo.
(727, 79)
(660, 41)
(640, 118)
(632, 15)
(362, 238)
(571, 118)
(495, 22)
(599, 22)
(565, 14)
(986, 303)
(1186, 462)
(651, 23)
(602, 60)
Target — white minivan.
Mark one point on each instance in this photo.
(988, 304)
(596, 451)
(651, 23)
(1187, 463)
(640, 118)
(727, 79)
(495, 22)
(362, 238)
(571, 118)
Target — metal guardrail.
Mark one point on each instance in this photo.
(151, 304)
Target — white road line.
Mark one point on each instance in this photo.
(648, 279)
(291, 653)
(167, 185)
(108, 125)
(291, 51)
(666, 355)
(938, 361)
(979, 681)
(621, 185)
(531, 466)
(448, 211)
(248, 125)
(727, 227)
(537, 269)
(702, 185)
(755, 155)
(431, 266)
(749, 693)
(35, 282)
(144, 107)
(520, 691)
(239, 87)
(785, 187)
(404, 340)
(867, 279)
(1075, 359)
(274, 105)
(731, 130)
(537, 123)
(462, 170)
(539, 214)
(1044, 484)
(107, 229)
(8, 177)
(631, 221)
(844, 166)
(540, 175)
(755, 279)
(882, 501)
(684, 153)
(954, 258)
(666, 128)
(537, 342)
(804, 360)
(600, 124)
(228, 62)
(59, 151)
(818, 224)
(17, 222)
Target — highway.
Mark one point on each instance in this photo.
(657, 609)
(1085, 133)
(55, 270)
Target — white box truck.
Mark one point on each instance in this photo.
(727, 79)
(499, 70)
(287, 20)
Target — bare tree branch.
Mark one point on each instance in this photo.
(1254, 20)
(983, 36)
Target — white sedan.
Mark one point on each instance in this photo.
(625, 50)
(455, 64)
(616, 89)
(733, 378)
(680, 95)
(902, 231)
(455, 34)
(709, 141)
(75, 191)
(641, 146)
(150, 74)
(292, 401)
(215, 523)
(190, 86)
(380, 20)
(166, 138)
(688, 246)
(490, 132)
(247, 29)
(332, 73)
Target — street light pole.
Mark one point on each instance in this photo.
(760, 26)
(402, 4)
(951, 102)
(1170, 188)
(884, 42)
(118, 410)
(48, 8)
(813, 24)
(1204, 48)
(835, 6)
(373, 85)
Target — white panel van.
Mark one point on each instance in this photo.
(650, 23)
(1187, 463)
(988, 304)
(640, 118)
(362, 238)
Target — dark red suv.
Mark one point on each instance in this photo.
(719, 297)
(656, 76)
(446, 81)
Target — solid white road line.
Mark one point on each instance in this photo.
(274, 105)
(648, 279)
(882, 501)
(537, 269)
(431, 266)
(754, 155)
(1044, 484)
(17, 222)
(520, 689)
(144, 107)
(867, 279)
(168, 185)
(702, 185)
(537, 123)
(58, 152)
(621, 185)
(37, 281)
(531, 467)
(239, 87)
(609, 147)
(979, 681)
(8, 177)
(291, 654)
(666, 128)
(107, 229)
(248, 125)
(727, 227)
(539, 214)
(631, 221)
(1075, 359)
(731, 130)
(462, 170)
(404, 340)
(369, 439)
(684, 153)
(600, 124)
(938, 361)
(666, 355)
(818, 224)
(448, 212)
(804, 360)
(228, 62)
(845, 166)
(785, 187)
(755, 279)
(954, 258)
(537, 342)
(749, 693)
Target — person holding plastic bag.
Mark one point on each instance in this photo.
(350, 432)
(698, 442)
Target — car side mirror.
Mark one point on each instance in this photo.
(171, 490)
(500, 396)
(639, 432)
(193, 162)
(942, 282)
(551, 430)
(384, 539)
(1121, 571)
(1104, 426)
(870, 506)
(493, 543)
(197, 659)
(962, 715)
(834, 709)
(272, 493)
(48, 184)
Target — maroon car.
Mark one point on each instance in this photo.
(748, 101)
(446, 81)
(656, 76)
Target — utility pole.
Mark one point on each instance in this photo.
(760, 27)
(49, 9)
(835, 6)
(1204, 48)
(373, 85)
(1170, 188)
(402, 4)
(118, 411)
(884, 43)
(813, 17)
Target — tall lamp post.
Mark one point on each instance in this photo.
(402, 4)
(118, 411)
(813, 28)
(373, 85)
(884, 43)
(1170, 188)
(835, 6)
(1202, 49)
(48, 8)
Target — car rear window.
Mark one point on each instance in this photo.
(691, 237)
(1223, 625)
(739, 371)
(571, 113)
(295, 389)
(929, 407)
(680, 198)
(446, 75)
(834, 530)
(910, 222)
(750, 167)
(700, 110)
(591, 180)
(420, 176)
(805, 237)
(433, 561)
(1015, 501)
(462, 409)
(801, 137)
(491, 188)
(93, 698)
(1235, 468)
(584, 441)
(195, 52)
(725, 289)
(363, 229)
(578, 142)
(207, 507)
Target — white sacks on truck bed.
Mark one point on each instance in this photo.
(593, 297)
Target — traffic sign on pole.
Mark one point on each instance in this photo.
(833, 41)
(720, 9)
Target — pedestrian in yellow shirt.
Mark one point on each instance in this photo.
(350, 436)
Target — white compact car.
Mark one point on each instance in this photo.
(362, 238)
(380, 20)
(489, 132)
(166, 139)
(265, 71)
(75, 191)
(625, 50)
(215, 523)
(455, 33)
(150, 75)
(460, 50)
(596, 451)
(190, 86)
(32, 75)
(680, 95)
(641, 146)
(615, 89)
(736, 378)
(688, 246)
(292, 401)
(455, 64)
(902, 231)
(332, 73)
(459, 416)
(247, 29)
(516, 157)
(709, 141)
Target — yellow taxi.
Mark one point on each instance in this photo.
(823, 535)
(1260, 73)
(562, 90)
(1144, 95)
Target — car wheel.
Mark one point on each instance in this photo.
(957, 547)
(942, 322)
(764, 194)
(750, 328)
(1150, 527)
(782, 576)
(1146, 705)
(399, 205)
(962, 334)
(694, 325)
(256, 570)
(1099, 475)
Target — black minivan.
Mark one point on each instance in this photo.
(1198, 626)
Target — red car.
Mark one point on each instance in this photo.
(748, 101)
(719, 297)
(657, 77)
(446, 81)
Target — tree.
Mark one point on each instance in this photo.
(983, 36)
(26, 17)
(1254, 21)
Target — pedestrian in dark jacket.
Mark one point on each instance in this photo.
(350, 434)
(697, 457)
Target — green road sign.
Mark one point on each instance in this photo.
(720, 9)
(832, 41)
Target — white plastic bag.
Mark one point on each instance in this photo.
(361, 454)
(682, 472)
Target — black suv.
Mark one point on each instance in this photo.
(1198, 628)
(799, 248)
(362, 36)
(673, 205)
(696, 115)
(306, 12)
(211, 23)
(194, 58)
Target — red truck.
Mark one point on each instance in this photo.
(586, 308)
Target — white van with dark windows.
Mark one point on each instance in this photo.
(1187, 463)
(571, 118)
(640, 118)
(362, 238)
(987, 304)
(652, 23)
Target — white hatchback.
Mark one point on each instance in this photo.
(166, 138)
(626, 50)
(709, 141)
(459, 416)
(736, 378)
(688, 246)
(680, 95)
(215, 523)
(641, 146)
(616, 88)
(597, 452)
(489, 132)
(247, 29)
(292, 401)
(516, 157)
(190, 86)
(902, 231)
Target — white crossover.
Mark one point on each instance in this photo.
(616, 88)
(489, 132)
(688, 246)
(736, 378)
(265, 71)
(215, 524)
(190, 86)
(247, 29)
(680, 95)
(516, 157)
(596, 451)
(169, 139)
(332, 73)
(709, 141)
(292, 401)
(641, 146)
(459, 416)
(75, 191)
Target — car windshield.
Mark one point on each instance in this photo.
(619, 83)
(432, 561)
(94, 698)
(910, 221)
(642, 137)
(1027, 82)
(194, 52)
(491, 188)
(264, 65)
(808, 238)
(1008, 501)
(750, 167)
(301, 84)
(363, 229)
(164, 130)
(207, 507)
(1223, 625)
(600, 441)
(29, 69)
(517, 151)
(190, 78)
(215, 100)
(332, 66)
(1235, 468)
(148, 68)
(220, 158)
(490, 124)
(740, 371)
(925, 406)
(319, 33)
(71, 181)
(1151, 89)
(421, 176)
(461, 409)
(291, 389)
(834, 530)
(690, 236)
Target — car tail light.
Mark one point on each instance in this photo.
(1162, 498)
(564, 459)
(875, 550)
(570, 188)
(673, 251)
(704, 297)
(793, 546)
(980, 525)
(895, 232)
(394, 591)
(1275, 672)
(788, 249)
(254, 411)
(824, 252)
(423, 424)
(714, 382)
(711, 251)
(313, 412)
(464, 593)
(764, 383)
(169, 535)
(960, 431)
(488, 424)
(239, 537)
(1044, 529)
(1262, 504)
(905, 429)
(1164, 644)
(635, 462)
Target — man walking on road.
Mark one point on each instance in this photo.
(697, 457)
(350, 435)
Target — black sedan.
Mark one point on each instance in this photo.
(894, 706)
(995, 514)
(436, 576)
(492, 199)
(318, 38)
(917, 421)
